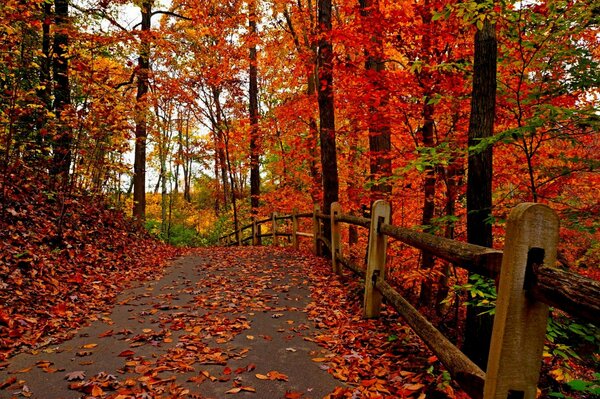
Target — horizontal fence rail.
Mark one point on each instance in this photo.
(528, 283)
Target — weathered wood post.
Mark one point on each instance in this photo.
(520, 322)
(295, 228)
(380, 214)
(275, 240)
(336, 247)
(316, 230)
(238, 237)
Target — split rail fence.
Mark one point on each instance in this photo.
(527, 282)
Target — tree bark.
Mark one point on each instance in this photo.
(62, 93)
(380, 163)
(45, 91)
(326, 112)
(479, 181)
(427, 130)
(253, 110)
(141, 110)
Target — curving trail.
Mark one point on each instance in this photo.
(259, 322)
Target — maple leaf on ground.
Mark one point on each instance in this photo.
(293, 395)
(276, 375)
(75, 375)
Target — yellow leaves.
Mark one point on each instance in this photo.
(273, 376)
(240, 389)
(89, 346)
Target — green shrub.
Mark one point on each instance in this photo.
(178, 235)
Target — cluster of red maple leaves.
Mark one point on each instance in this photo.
(63, 259)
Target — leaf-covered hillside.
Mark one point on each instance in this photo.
(63, 259)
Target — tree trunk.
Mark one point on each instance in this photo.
(62, 93)
(428, 260)
(253, 110)
(452, 177)
(220, 144)
(311, 89)
(380, 163)
(45, 91)
(425, 81)
(326, 112)
(187, 163)
(141, 110)
(479, 181)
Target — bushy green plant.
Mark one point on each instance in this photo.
(481, 293)
(181, 235)
(178, 234)
(589, 389)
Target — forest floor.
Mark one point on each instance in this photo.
(263, 322)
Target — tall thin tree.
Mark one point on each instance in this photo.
(479, 179)
(62, 93)
(253, 110)
(380, 163)
(327, 111)
(141, 111)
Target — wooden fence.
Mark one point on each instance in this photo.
(527, 285)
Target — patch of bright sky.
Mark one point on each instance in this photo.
(129, 15)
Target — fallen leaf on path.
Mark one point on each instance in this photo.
(105, 334)
(276, 375)
(8, 382)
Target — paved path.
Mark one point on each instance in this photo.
(216, 322)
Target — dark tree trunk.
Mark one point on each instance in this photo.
(428, 261)
(452, 178)
(479, 180)
(326, 112)
(187, 165)
(220, 143)
(380, 163)
(45, 91)
(62, 93)
(427, 131)
(141, 109)
(253, 109)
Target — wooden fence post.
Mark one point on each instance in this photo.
(295, 228)
(254, 231)
(275, 240)
(336, 249)
(380, 213)
(520, 322)
(316, 230)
